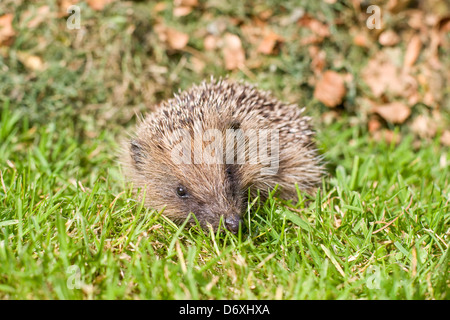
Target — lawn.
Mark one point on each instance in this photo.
(70, 228)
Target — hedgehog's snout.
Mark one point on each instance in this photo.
(232, 223)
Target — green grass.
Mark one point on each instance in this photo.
(70, 228)
(62, 205)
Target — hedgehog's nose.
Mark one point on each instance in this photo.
(232, 223)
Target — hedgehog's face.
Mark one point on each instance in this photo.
(212, 192)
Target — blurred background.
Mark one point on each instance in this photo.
(123, 57)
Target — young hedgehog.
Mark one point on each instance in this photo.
(202, 150)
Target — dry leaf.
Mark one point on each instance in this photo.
(319, 28)
(98, 5)
(36, 18)
(360, 40)
(317, 59)
(64, 5)
(233, 52)
(160, 6)
(396, 6)
(387, 135)
(412, 51)
(445, 138)
(423, 126)
(394, 112)
(185, 3)
(197, 64)
(6, 29)
(329, 117)
(388, 38)
(176, 40)
(31, 62)
(269, 43)
(210, 42)
(373, 125)
(330, 89)
(383, 76)
(181, 11)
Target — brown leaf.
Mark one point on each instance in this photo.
(317, 27)
(181, 11)
(210, 42)
(176, 40)
(387, 135)
(361, 40)
(31, 62)
(6, 29)
(423, 126)
(394, 112)
(269, 43)
(388, 38)
(160, 6)
(330, 89)
(383, 76)
(233, 52)
(63, 5)
(197, 64)
(412, 51)
(98, 5)
(35, 19)
(318, 60)
(185, 3)
(445, 138)
(373, 125)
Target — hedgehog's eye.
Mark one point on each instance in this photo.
(181, 192)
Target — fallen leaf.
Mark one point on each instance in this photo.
(197, 64)
(266, 14)
(37, 17)
(383, 76)
(31, 62)
(317, 27)
(361, 40)
(396, 6)
(185, 3)
(329, 117)
(6, 29)
(160, 6)
(269, 43)
(388, 38)
(445, 138)
(181, 11)
(373, 125)
(210, 42)
(176, 40)
(64, 5)
(412, 51)
(423, 126)
(330, 89)
(98, 5)
(233, 52)
(317, 59)
(183, 7)
(387, 135)
(394, 112)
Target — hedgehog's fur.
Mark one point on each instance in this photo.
(219, 190)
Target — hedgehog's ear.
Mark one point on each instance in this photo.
(136, 151)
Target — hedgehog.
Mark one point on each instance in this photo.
(205, 152)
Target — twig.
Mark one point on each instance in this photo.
(388, 224)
